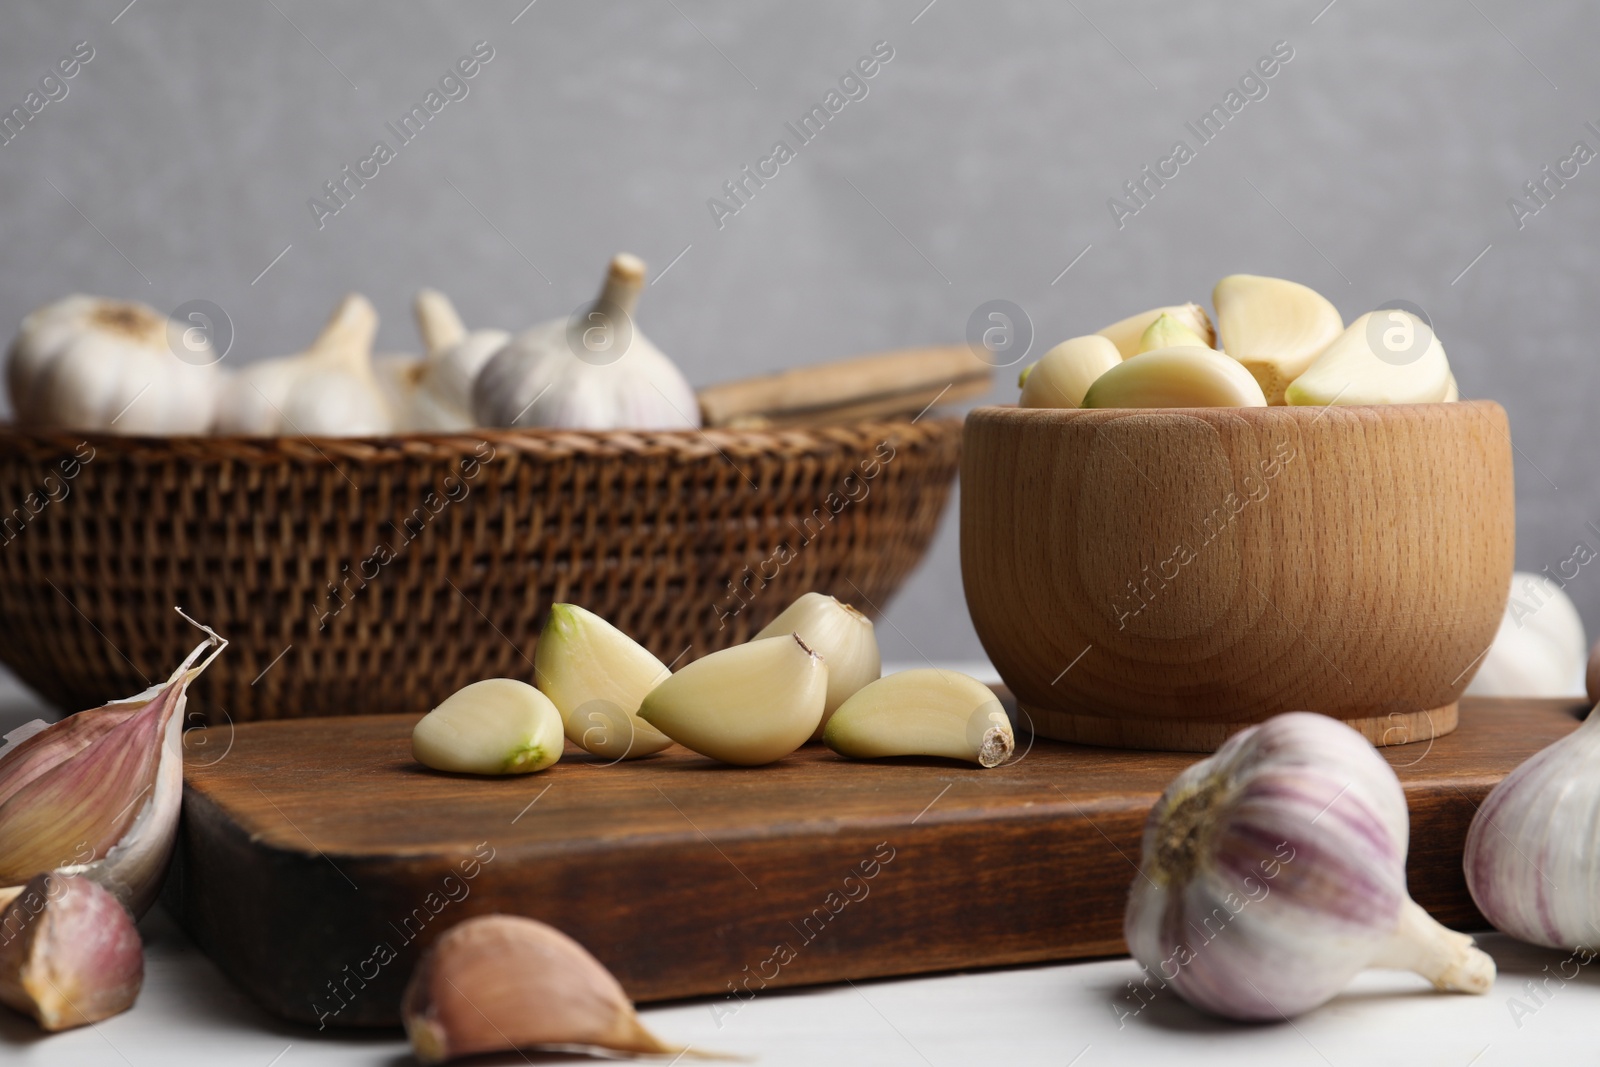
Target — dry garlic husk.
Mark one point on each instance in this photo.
(597, 676)
(1127, 333)
(433, 393)
(596, 371)
(1168, 331)
(1533, 855)
(1064, 373)
(1275, 327)
(925, 712)
(496, 726)
(750, 704)
(841, 635)
(84, 363)
(1540, 649)
(501, 983)
(69, 953)
(330, 389)
(1384, 357)
(97, 794)
(1274, 871)
(1187, 377)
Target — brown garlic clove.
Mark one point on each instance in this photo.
(499, 983)
(69, 953)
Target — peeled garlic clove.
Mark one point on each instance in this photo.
(923, 713)
(750, 704)
(1385, 357)
(1276, 328)
(497, 726)
(499, 983)
(841, 635)
(1169, 332)
(1064, 373)
(597, 676)
(1126, 333)
(1274, 871)
(1176, 378)
(1451, 392)
(69, 954)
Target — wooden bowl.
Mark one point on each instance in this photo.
(1161, 578)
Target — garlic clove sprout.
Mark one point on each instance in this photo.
(595, 371)
(1064, 373)
(433, 392)
(1169, 332)
(1384, 357)
(330, 389)
(1274, 871)
(497, 726)
(926, 712)
(841, 635)
(1189, 377)
(750, 704)
(89, 364)
(70, 954)
(501, 983)
(1276, 328)
(98, 793)
(1540, 648)
(597, 676)
(1126, 333)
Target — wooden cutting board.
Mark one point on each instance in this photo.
(316, 858)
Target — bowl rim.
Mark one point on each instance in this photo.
(1017, 413)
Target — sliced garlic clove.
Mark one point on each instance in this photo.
(500, 983)
(1169, 332)
(497, 726)
(750, 704)
(1064, 373)
(841, 635)
(597, 676)
(1125, 334)
(925, 712)
(1176, 378)
(1276, 328)
(69, 954)
(1384, 357)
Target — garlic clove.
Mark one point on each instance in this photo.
(1384, 357)
(1064, 373)
(70, 954)
(841, 635)
(1126, 333)
(748, 705)
(597, 676)
(1189, 377)
(1276, 328)
(501, 983)
(1169, 332)
(497, 726)
(1452, 393)
(926, 712)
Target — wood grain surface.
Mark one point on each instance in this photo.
(316, 858)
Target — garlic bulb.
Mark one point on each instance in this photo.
(1533, 858)
(1540, 648)
(1274, 871)
(433, 393)
(70, 954)
(841, 635)
(330, 389)
(84, 363)
(592, 372)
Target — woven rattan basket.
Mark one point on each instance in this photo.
(368, 575)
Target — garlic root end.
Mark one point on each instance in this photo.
(1451, 961)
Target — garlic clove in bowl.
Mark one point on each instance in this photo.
(1273, 326)
(1384, 357)
(1184, 377)
(1064, 374)
(1127, 333)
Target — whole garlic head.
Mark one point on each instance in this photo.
(1274, 871)
(84, 363)
(596, 372)
(434, 392)
(1540, 649)
(329, 389)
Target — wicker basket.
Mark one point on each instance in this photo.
(364, 575)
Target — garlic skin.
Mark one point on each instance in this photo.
(748, 705)
(927, 712)
(70, 954)
(84, 363)
(1540, 648)
(1186, 377)
(841, 635)
(1273, 326)
(433, 393)
(501, 983)
(496, 726)
(330, 389)
(1066, 372)
(597, 676)
(1127, 333)
(539, 380)
(1352, 370)
(1274, 871)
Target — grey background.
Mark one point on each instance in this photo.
(978, 167)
